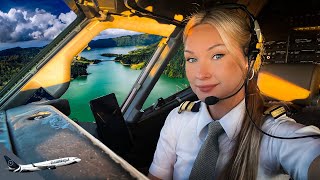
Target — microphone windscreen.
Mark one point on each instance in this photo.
(211, 100)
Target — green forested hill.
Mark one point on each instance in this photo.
(175, 68)
(12, 60)
(134, 40)
(137, 56)
(18, 54)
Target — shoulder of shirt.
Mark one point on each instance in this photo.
(274, 116)
(189, 106)
(278, 123)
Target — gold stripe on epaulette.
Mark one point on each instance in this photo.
(190, 105)
(275, 111)
(182, 106)
(278, 112)
(187, 105)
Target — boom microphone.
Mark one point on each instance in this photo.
(212, 100)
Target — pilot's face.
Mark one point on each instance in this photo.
(211, 69)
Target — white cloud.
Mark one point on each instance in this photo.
(112, 33)
(67, 18)
(19, 25)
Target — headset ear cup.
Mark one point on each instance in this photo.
(258, 57)
(258, 62)
(255, 58)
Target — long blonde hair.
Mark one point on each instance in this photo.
(234, 29)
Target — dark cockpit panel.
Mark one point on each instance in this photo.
(291, 31)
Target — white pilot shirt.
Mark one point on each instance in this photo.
(183, 134)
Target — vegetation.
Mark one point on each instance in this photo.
(79, 66)
(137, 56)
(175, 68)
(134, 40)
(13, 60)
(137, 66)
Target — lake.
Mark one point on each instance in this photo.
(112, 77)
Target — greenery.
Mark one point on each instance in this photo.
(134, 40)
(137, 66)
(79, 66)
(13, 60)
(137, 56)
(175, 68)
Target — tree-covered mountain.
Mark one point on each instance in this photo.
(134, 40)
(13, 60)
(175, 68)
(79, 66)
(18, 54)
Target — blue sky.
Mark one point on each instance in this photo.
(35, 23)
(46, 5)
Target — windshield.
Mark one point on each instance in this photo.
(112, 63)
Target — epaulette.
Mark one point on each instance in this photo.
(275, 111)
(189, 106)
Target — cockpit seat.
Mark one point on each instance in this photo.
(296, 87)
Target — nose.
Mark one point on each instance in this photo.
(203, 70)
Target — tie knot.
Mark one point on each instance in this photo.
(215, 129)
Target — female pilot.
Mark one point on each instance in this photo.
(216, 46)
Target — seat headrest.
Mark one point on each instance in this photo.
(298, 83)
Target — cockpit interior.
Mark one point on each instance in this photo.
(120, 143)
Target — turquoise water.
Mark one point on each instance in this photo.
(111, 77)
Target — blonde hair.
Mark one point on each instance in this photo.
(234, 29)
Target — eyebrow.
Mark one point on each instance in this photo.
(211, 47)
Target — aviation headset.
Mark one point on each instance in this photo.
(256, 42)
(254, 55)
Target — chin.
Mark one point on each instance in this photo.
(202, 97)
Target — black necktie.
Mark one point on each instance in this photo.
(205, 163)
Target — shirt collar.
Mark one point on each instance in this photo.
(204, 119)
(231, 122)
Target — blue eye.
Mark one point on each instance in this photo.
(217, 56)
(191, 60)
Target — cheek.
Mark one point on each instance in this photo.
(189, 72)
(233, 75)
(228, 72)
(235, 66)
(190, 76)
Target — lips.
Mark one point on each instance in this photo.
(206, 88)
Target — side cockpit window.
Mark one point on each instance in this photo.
(172, 80)
(26, 27)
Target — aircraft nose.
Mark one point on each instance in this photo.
(77, 159)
